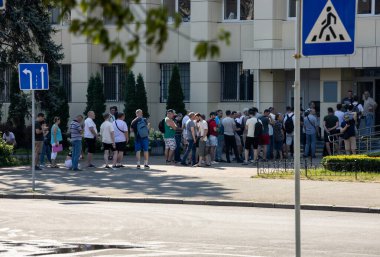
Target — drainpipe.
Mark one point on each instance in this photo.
(258, 89)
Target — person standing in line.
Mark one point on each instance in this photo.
(264, 137)
(229, 137)
(140, 126)
(90, 135)
(39, 139)
(56, 138)
(212, 141)
(338, 113)
(107, 133)
(76, 141)
(289, 130)
(113, 113)
(46, 146)
(169, 136)
(121, 140)
(349, 135)
(178, 137)
(358, 109)
(220, 146)
(203, 128)
(251, 140)
(278, 136)
(272, 119)
(310, 125)
(191, 139)
(330, 125)
(369, 112)
(239, 131)
(348, 100)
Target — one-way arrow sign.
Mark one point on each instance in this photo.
(33, 76)
(2, 4)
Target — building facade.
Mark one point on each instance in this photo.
(256, 69)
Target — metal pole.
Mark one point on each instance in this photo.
(33, 144)
(297, 130)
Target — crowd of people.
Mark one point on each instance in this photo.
(192, 139)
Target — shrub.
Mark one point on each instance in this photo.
(374, 154)
(6, 151)
(352, 163)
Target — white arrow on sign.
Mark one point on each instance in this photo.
(26, 72)
(42, 77)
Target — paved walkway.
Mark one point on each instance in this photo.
(231, 182)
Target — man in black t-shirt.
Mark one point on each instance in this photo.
(330, 125)
(39, 139)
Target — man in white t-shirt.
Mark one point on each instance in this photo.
(90, 135)
(121, 139)
(203, 130)
(107, 133)
(251, 140)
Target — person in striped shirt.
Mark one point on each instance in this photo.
(76, 141)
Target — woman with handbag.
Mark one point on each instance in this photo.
(56, 137)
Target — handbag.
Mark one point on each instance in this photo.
(57, 149)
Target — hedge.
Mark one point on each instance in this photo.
(362, 163)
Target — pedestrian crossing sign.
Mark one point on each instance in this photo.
(328, 27)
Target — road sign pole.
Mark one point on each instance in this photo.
(33, 144)
(297, 129)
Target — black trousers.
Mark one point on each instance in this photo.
(230, 142)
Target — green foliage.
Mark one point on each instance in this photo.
(58, 106)
(175, 96)
(96, 99)
(374, 154)
(19, 106)
(6, 152)
(352, 163)
(142, 102)
(131, 103)
(144, 26)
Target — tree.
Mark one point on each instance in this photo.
(130, 105)
(96, 99)
(175, 95)
(141, 95)
(145, 26)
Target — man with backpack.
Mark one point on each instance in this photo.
(140, 126)
(289, 129)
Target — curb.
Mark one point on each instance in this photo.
(310, 207)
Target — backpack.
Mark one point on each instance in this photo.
(161, 126)
(142, 129)
(289, 125)
(259, 128)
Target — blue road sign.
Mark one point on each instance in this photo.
(33, 76)
(2, 4)
(328, 27)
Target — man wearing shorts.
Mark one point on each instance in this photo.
(90, 134)
(212, 140)
(169, 136)
(121, 140)
(141, 143)
(107, 133)
(251, 140)
(203, 128)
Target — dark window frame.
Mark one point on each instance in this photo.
(165, 76)
(237, 85)
(114, 93)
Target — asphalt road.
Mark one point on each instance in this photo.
(36, 227)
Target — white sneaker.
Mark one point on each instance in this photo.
(214, 162)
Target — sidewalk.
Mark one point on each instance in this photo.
(229, 182)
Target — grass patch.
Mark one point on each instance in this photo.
(325, 175)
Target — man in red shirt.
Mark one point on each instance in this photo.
(212, 140)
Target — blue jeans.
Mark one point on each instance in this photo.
(190, 147)
(77, 148)
(219, 148)
(270, 148)
(177, 153)
(369, 123)
(46, 149)
(310, 143)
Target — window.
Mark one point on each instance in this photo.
(166, 73)
(65, 78)
(291, 8)
(5, 78)
(180, 6)
(238, 9)
(114, 79)
(54, 17)
(369, 7)
(237, 84)
(330, 91)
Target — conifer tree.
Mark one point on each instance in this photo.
(130, 104)
(96, 99)
(141, 98)
(175, 95)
